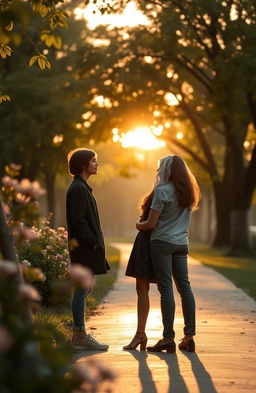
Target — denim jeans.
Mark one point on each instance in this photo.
(170, 261)
(78, 304)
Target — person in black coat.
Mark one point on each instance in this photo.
(85, 238)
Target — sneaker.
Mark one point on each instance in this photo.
(87, 342)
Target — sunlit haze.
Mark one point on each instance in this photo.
(141, 138)
(131, 16)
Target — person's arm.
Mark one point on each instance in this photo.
(150, 223)
(78, 212)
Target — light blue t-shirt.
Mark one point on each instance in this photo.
(173, 222)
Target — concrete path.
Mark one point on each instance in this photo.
(225, 360)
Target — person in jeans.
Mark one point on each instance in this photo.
(175, 196)
(86, 243)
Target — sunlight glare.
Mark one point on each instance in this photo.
(130, 17)
(171, 99)
(142, 138)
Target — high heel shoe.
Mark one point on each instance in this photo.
(187, 344)
(138, 339)
(161, 345)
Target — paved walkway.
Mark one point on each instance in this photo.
(225, 360)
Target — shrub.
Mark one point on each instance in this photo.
(31, 361)
(47, 251)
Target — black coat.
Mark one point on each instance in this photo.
(84, 231)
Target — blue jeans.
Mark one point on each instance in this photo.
(170, 261)
(78, 304)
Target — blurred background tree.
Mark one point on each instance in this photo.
(190, 69)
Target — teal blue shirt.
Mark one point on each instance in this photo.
(173, 222)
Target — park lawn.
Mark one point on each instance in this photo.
(59, 318)
(240, 270)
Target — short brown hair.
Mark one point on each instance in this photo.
(78, 159)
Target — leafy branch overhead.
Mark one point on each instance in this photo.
(41, 60)
(15, 18)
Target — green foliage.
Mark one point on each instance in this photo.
(4, 97)
(19, 357)
(20, 204)
(191, 67)
(16, 16)
(37, 244)
(42, 61)
(240, 270)
(34, 357)
(44, 105)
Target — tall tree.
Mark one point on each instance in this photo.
(38, 127)
(194, 62)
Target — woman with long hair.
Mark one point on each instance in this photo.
(160, 253)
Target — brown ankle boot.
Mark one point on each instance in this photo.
(187, 344)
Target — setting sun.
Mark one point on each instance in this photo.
(141, 138)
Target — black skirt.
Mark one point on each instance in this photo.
(140, 263)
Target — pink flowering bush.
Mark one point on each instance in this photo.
(47, 251)
(20, 202)
(42, 247)
(30, 360)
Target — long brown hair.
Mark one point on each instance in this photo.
(185, 184)
(145, 207)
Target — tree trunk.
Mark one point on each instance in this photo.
(239, 223)
(240, 232)
(50, 183)
(223, 209)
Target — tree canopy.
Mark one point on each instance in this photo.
(191, 68)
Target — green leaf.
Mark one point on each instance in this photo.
(9, 26)
(33, 60)
(41, 62)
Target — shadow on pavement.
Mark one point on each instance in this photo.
(145, 375)
(176, 381)
(79, 354)
(203, 378)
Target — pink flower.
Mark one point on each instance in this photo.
(8, 268)
(21, 198)
(31, 189)
(28, 292)
(24, 232)
(104, 372)
(25, 263)
(6, 209)
(83, 374)
(36, 191)
(9, 181)
(81, 276)
(6, 340)
(39, 275)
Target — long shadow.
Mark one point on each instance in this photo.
(176, 382)
(78, 354)
(145, 375)
(203, 377)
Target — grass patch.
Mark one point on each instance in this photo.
(240, 270)
(60, 319)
